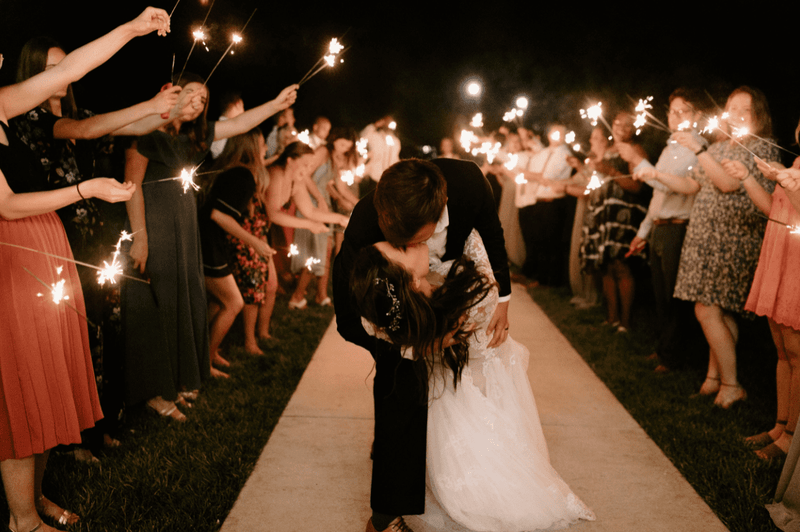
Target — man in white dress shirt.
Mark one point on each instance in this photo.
(542, 207)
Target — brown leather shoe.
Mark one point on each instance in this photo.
(398, 525)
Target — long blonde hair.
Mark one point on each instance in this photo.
(243, 150)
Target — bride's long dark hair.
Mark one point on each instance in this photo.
(384, 295)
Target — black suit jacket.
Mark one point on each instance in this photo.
(470, 204)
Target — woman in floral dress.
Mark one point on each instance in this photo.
(723, 240)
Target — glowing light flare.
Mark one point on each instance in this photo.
(473, 88)
(576, 147)
(644, 105)
(569, 138)
(187, 179)
(110, 272)
(712, 124)
(392, 125)
(293, 250)
(555, 136)
(360, 169)
(522, 102)
(467, 139)
(684, 125)
(311, 261)
(593, 113)
(57, 288)
(389, 140)
(740, 132)
(361, 147)
(335, 46)
(304, 137)
(330, 60)
(793, 229)
(199, 35)
(348, 177)
(594, 183)
(510, 115)
(477, 121)
(520, 179)
(512, 161)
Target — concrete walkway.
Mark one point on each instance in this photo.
(314, 474)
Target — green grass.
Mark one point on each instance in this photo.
(186, 477)
(703, 441)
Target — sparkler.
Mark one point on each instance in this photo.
(520, 179)
(595, 113)
(643, 110)
(304, 137)
(793, 229)
(311, 261)
(327, 60)
(467, 139)
(197, 34)
(477, 121)
(81, 263)
(361, 147)
(512, 161)
(293, 251)
(236, 38)
(522, 103)
(111, 271)
(186, 178)
(360, 169)
(595, 182)
(348, 177)
(392, 125)
(173, 9)
(569, 138)
(57, 292)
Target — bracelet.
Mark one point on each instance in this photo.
(78, 188)
(701, 150)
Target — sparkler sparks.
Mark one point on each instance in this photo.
(311, 261)
(477, 121)
(293, 250)
(569, 138)
(327, 60)
(304, 137)
(361, 147)
(467, 139)
(594, 183)
(522, 102)
(110, 272)
(348, 177)
(593, 113)
(392, 125)
(389, 140)
(360, 169)
(186, 178)
(512, 161)
(198, 34)
(520, 179)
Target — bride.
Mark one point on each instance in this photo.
(488, 467)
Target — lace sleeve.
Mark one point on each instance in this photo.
(475, 251)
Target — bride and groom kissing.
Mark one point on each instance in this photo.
(422, 283)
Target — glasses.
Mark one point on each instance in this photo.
(680, 113)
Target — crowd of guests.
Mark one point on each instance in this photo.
(714, 216)
(269, 212)
(269, 216)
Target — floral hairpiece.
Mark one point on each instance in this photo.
(394, 310)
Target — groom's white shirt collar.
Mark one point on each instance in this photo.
(437, 243)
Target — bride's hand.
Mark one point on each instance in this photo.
(498, 327)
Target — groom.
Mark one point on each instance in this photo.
(416, 201)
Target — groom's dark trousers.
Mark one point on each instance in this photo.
(401, 410)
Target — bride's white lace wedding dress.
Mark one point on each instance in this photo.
(488, 468)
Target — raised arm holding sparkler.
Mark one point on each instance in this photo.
(60, 398)
(253, 117)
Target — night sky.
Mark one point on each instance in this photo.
(411, 60)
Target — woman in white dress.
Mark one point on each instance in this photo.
(487, 460)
